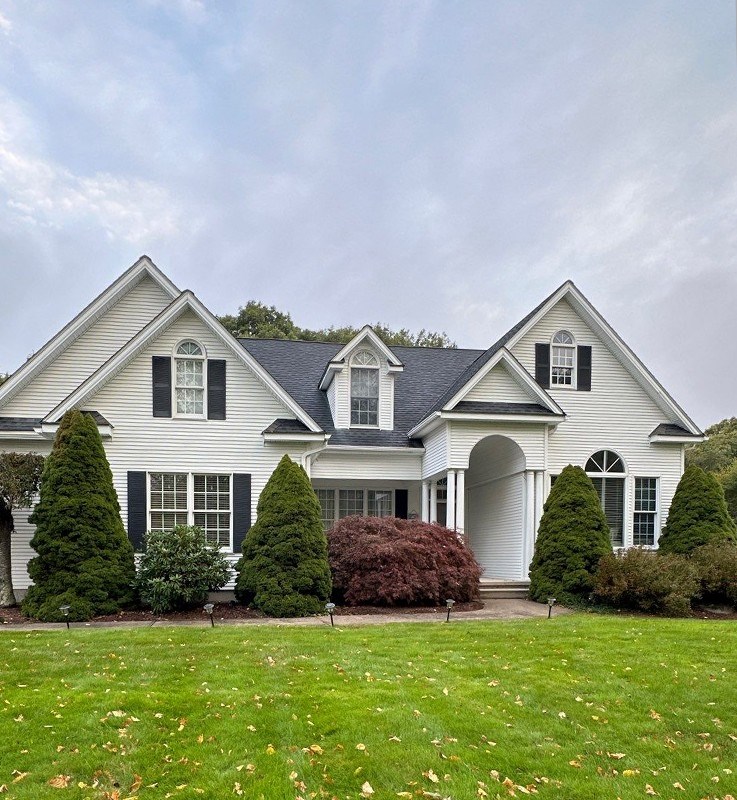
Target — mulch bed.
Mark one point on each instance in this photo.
(232, 611)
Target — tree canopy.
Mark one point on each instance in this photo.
(718, 456)
(256, 320)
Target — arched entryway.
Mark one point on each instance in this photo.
(495, 508)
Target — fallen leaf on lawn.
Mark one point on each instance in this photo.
(649, 789)
(654, 714)
(431, 776)
(270, 750)
(315, 748)
(60, 781)
(18, 776)
(366, 790)
(677, 785)
(616, 755)
(360, 746)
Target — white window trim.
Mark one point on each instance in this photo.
(203, 358)
(377, 367)
(190, 498)
(574, 369)
(656, 514)
(365, 489)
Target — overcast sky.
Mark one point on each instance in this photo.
(424, 164)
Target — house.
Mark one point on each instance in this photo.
(194, 421)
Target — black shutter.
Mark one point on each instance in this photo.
(400, 503)
(161, 385)
(215, 388)
(542, 365)
(583, 365)
(241, 509)
(137, 509)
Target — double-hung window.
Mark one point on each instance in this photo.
(189, 380)
(183, 498)
(562, 360)
(364, 389)
(606, 470)
(336, 504)
(646, 512)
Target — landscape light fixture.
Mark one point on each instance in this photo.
(209, 609)
(551, 603)
(449, 604)
(330, 607)
(65, 611)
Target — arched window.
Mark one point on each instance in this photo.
(364, 389)
(189, 379)
(562, 359)
(606, 470)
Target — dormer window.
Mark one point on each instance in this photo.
(365, 389)
(563, 360)
(189, 380)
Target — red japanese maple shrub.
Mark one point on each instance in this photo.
(397, 562)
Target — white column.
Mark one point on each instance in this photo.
(539, 489)
(425, 512)
(529, 536)
(450, 521)
(461, 501)
(433, 501)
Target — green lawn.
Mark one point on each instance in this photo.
(581, 706)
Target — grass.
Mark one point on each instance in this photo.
(581, 706)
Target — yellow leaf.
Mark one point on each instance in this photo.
(360, 746)
(431, 776)
(315, 748)
(270, 750)
(60, 781)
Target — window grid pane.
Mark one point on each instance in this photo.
(168, 492)
(646, 509)
(364, 396)
(380, 503)
(350, 503)
(327, 507)
(211, 499)
(611, 495)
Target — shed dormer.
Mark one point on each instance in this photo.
(359, 383)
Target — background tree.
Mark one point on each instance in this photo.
(20, 474)
(572, 539)
(284, 570)
(258, 321)
(698, 514)
(3, 377)
(718, 455)
(85, 559)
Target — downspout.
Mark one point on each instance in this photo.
(310, 456)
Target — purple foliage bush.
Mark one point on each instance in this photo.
(397, 562)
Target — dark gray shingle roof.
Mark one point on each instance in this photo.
(478, 407)
(19, 423)
(298, 367)
(287, 426)
(671, 429)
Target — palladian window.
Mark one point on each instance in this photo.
(364, 389)
(189, 379)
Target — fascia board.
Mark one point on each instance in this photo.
(79, 324)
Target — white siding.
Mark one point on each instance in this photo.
(495, 526)
(363, 466)
(331, 401)
(105, 336)
(499, 386)
(341, 405)
(465, 435)
(436, 452)
(147, 443)
(616, 414)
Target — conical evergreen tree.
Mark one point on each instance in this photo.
(573, 537)
(284, 570)
(84, 557)
(698, 514)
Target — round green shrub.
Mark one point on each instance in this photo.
(698, 514)
(178, 568)
(716, 565)
(284, 570)
(85, 559)
(642, 580)
(399, 562)
(573, 537)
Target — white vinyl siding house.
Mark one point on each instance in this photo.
(194, 421)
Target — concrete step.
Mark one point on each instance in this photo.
(503, 590)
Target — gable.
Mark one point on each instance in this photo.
(499, 385)
(612, 384)
(100, 340)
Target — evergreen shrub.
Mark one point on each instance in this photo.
(284, 570)
(398, 562)
(643, 580)
(178, 568)
(698, 514)
(716, 565)
(85, 559)
(573, 537)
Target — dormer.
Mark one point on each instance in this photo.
(359, 383)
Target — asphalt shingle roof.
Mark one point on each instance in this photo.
(298, 367)
(19, 423)
(671, 429)
(478, 407)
